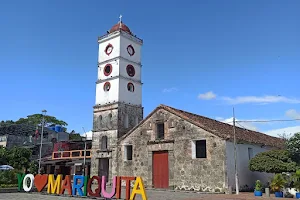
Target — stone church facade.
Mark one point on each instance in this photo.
(170, 148)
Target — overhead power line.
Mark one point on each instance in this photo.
(271, 120)
(241, 125)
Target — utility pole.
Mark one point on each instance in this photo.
(84, 157)
(235, 158)
(42, 136)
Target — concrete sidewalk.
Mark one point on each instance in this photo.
(241, 196)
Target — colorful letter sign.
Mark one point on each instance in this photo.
(82, 185)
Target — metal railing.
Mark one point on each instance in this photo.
(71, 154)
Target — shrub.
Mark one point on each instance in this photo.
(258, 186)
(9, 177)
(296, 179)
(274, 161)
(8, 185)
(277, 183)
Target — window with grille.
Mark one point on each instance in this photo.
(128, 152)
(160, 130)
(199, 149)
(250, 153)
(104, 143)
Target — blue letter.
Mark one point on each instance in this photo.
(79, 186)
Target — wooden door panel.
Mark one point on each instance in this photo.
(104, 168)
(160, 169)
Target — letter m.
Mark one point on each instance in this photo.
(54, 185)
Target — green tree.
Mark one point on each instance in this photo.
(36, 120)
(293, 146)
(33, 167)
(3, 156)
(19, 158)
(6, 123)
(75, 137)
(274, 161)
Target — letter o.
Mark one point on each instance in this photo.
(25, 187)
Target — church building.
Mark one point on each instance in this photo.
(170, 148)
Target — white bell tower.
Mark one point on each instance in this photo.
(119, 67)
(118, 95)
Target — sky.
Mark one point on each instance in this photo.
(204, 57)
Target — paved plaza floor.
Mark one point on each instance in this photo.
(152, 195)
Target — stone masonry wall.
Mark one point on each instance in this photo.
(134, 114)
(185, 173)
(109, 122)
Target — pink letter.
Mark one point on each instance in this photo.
(113, 190)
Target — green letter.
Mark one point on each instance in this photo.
(20, 181)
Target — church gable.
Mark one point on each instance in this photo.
(162, 126)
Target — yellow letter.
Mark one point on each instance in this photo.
(54, 187)
(138, 188)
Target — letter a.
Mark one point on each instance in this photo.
(138, 188)
(66, 185)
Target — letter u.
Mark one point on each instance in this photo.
(113, 190)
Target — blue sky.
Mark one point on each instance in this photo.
(234, 54)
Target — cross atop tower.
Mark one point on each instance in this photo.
(120, 21)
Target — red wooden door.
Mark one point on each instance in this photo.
(160, 171)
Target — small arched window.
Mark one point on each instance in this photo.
(103, 143)
(130, 87)
(106, 86)
(126, 121)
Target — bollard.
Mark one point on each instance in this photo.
(267, 191)
(229, 190)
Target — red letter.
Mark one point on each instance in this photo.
(128, 179)
(66, 185)
(97, 190)
(118, 189)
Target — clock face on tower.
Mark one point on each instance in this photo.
(130, 50)
(109, 48)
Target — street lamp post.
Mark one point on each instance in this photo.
(84, 157)
(42, 136)
(235, 157)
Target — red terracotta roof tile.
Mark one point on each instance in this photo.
(225, 130)
(220, 129)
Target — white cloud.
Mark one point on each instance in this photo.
(260, 99)
(292, 114)
(246, 125)
(220, 118)
(88, 134)
(168, 90)
(207, 96)
(288, 130)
